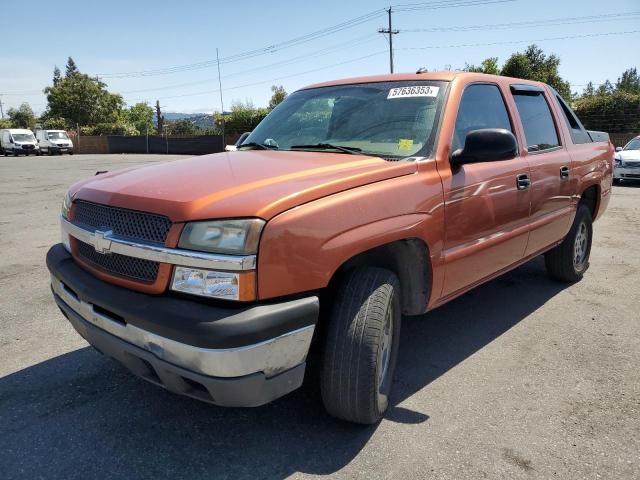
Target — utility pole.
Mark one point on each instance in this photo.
(391, 32)
(1, 111)
(221, 102)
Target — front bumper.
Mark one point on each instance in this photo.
(625, 172)
(55, 148)
(231, 356)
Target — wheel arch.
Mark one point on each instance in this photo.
(409, 259)
(590, 197)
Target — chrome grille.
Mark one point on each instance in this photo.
(114, 263)
(123, 222)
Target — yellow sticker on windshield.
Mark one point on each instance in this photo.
(405, 144)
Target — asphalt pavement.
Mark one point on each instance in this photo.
(523, 377)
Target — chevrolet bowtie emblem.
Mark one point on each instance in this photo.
(102, 242)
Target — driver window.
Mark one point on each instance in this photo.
(482, 106)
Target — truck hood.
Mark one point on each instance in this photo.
(249, 183)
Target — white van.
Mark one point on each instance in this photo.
(54, 141)
(18, 141)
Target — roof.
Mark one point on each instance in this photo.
(446, 76)
(17, 130)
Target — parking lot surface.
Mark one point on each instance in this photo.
(523, 377)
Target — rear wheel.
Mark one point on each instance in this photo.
(569, 260)
(616, 181)
(362, 346)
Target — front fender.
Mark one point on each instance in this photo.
(302, 248)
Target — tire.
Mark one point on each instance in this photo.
(568, 261)
(362, 346)
(616, 181)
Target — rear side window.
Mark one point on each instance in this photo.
(482, 106)
(539, 129)
(577, 131)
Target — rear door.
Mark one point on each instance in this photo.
(486, 212)
(550, 166)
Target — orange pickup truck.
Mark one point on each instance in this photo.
(353, 203)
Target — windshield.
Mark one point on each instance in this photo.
(388, 119)
(57, 135)
(633, 145)
(23, 137)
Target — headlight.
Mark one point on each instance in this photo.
(214, 284)
(237, 237)
(66, 206)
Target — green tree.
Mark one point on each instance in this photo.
(589, 90)
(140, 116)
(278, 95)
(56, 75)
(117, 127)
(614, 112)
(244, 117)
(5, 123)
(534, 64)
(181, 127)
(22, 117)
(83, 100)
(613, 109)
(53, 123)
(605, 89)
(629, 81)
(72, 68)
(488, 65)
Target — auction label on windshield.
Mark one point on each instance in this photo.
(413, 91)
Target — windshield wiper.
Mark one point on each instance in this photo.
(329, 146)
(260, 146)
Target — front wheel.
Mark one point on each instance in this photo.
(362, 346)
(569, 260)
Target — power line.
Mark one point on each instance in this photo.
(508, 42)
(253, 53)
(318, 53)
(208, 92)
(533, 23)
(299, 40)
(411, 7)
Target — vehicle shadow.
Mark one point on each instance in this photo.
(81, 415)
(629, 183)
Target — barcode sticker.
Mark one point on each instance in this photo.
(413, 91)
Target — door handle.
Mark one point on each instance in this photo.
(522, 181)
(564, 172)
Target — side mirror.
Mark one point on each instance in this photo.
(486, 145)
(10, 139)
(618, 149)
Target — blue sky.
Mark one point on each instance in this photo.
(135, 36)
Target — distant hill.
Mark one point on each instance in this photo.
(200, 120)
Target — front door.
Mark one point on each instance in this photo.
(486, 207)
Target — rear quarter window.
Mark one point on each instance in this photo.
(576, 130)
